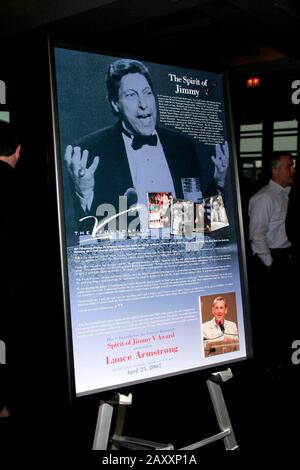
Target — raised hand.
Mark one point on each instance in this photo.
(221, 161)
(82, 176)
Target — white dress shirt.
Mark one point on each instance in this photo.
(149, 170)
(150, 173)
(267, 213)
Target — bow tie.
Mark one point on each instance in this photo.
(139, 140)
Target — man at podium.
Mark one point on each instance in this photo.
(220, 335)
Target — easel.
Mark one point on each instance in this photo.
(118, 441)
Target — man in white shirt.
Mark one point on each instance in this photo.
(271, 264)
(267, 212)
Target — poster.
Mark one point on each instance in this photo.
(150, 230)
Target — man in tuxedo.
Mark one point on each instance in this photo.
(135, 156)
(165, 210)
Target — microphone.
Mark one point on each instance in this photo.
(221, 325)
(132, 197)
(213, 337)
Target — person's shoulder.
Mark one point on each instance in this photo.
(97, 137)
(264, 193)
(231, 327)
(171, 134)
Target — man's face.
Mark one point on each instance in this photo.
(136, 104)
(284, 173)
(219, 310)
(165, 200)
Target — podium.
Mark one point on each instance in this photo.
(229, 343)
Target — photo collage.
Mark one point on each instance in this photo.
(183, 217)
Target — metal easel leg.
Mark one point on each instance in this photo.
(102, 432)
(226, 432)
(220, 408)
(103, 426)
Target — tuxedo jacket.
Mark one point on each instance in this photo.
(113, 177)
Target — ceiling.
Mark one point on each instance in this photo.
(230, 33)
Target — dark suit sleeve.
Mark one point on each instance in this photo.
(112, 177)
(207, 168)
(292, 230)
(187, 158)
